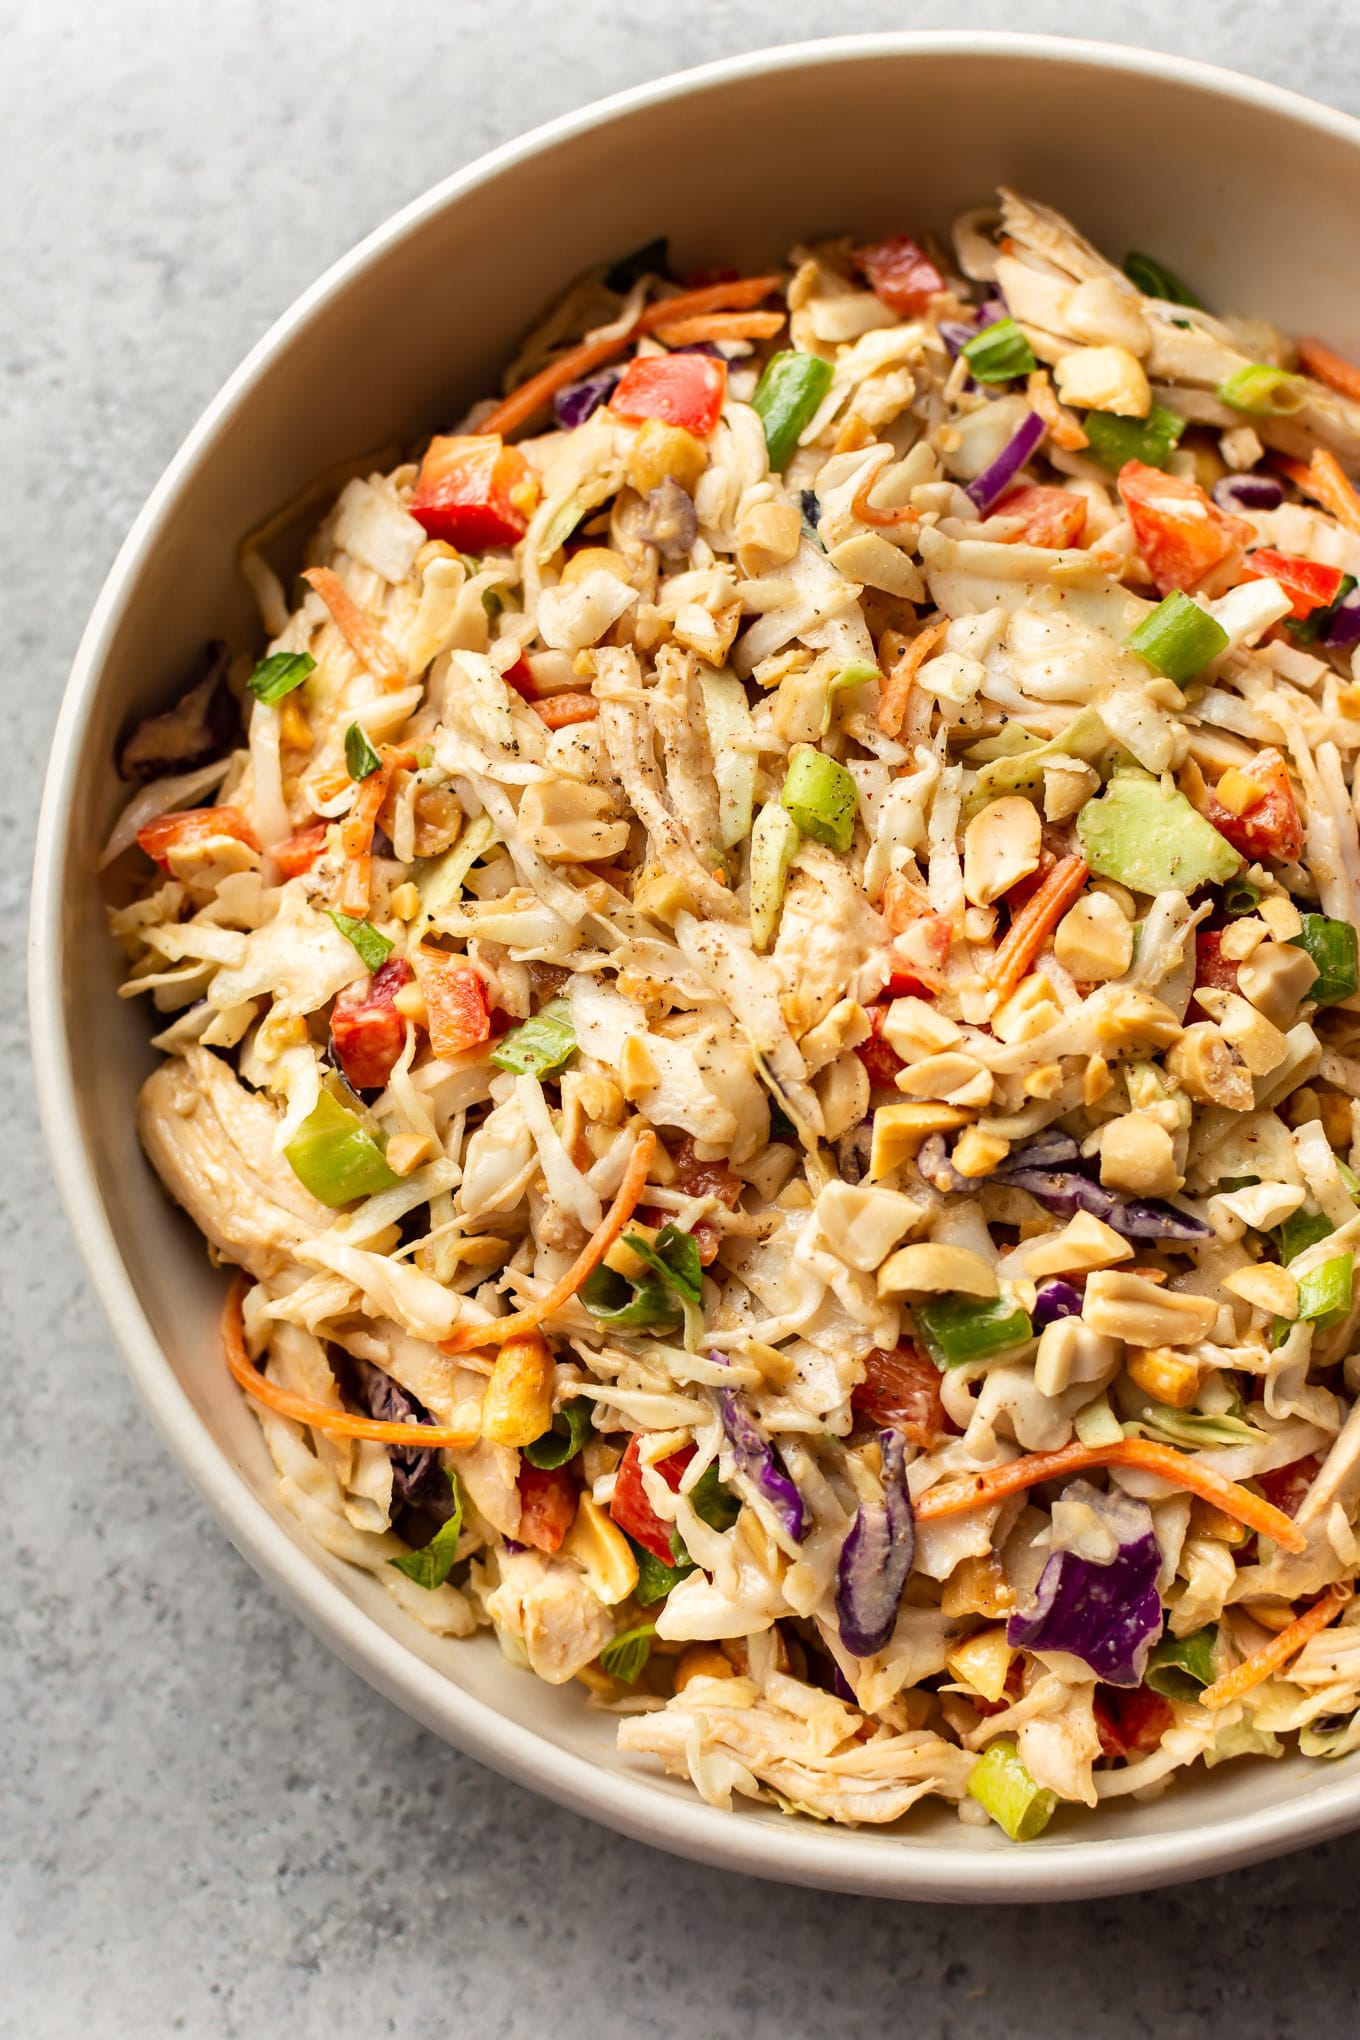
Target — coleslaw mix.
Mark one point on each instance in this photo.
(761, 986)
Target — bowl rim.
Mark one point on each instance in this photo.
(640, 1806)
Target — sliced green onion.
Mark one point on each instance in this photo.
(1335, 948)
(334, 1155)
(999, 353)
(1178, 1666)
(713, 1502)
(429, 1567)
(1003, 1787)
(540, 1046)
(821, 797)
(655, 1580)
(1349, 1180)
(957, 1329)
(493, 602)
(1155, 280)
(568, 1433)
(1301, 1230)
(625, 1655)
(1178, 639)
(774, 842)
(1264, 392)
(849, 677)
(787, 395)
(1116, 440)
(1325, 1292)
(440, 883)
(374, 949)
(361, 760)
(1240, 897)
(280, 674)
(1308, 629)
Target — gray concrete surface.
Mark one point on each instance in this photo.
(180, 1852)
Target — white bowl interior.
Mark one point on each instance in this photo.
(1245, 191)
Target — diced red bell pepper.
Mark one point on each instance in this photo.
(367, 1031)
(457, 1015)
(1183, 536)
(520, 677)
(1286, 1487)
(1269, 827)
(547, 1505)
(1052, 517)
(900, 274)
(630, 1507)
(696, 1178)
(879, 1057)
(187, 828)
(1212, 968)
(299, 852)
(1130, 1722)
(679, 389)
(901, 1390)
(1309, 584)
(474, 492)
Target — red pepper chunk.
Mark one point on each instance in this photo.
(520, 677)
(475, 492)
(879, 1057)
(1184, 538)
(1269, 826)
(630, 1507)
(901, 1391)
(1307, 583)
(367, 1031)
(547, 1506)
(299, 852)
(1286, 1487)
(900, 274)
(189, 828)
(1130, 1723)
(679, 389)
(1213, 969)
(457, 1015)
(1053, 518)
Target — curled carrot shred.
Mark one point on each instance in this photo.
(976, 1490)
(871, 513)
(302, 1409)
(356, 831)
(720, 326)
(1277, 1652)
(360, 633)
(1035, 922)
(585, 1264)
(1324, 366)
(1324, 480)
(519, 407)
(559, 711)
(897, 685)
(1063, 428)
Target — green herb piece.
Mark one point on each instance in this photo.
(541, 1046)
(821, 797)
(334, 1155)
(361, 760)
(1307, 630)
(655, 1580)
(774, 844)
(1325, 1292)
(1349, 1180)
(999, 353)
(374, 949)
(1003, 1787)
(1151, 440)
(1301, 1230)
(1179, 1666)
(279, 675)
(493, 602)
(1178, 639)
(570, 1428)
(1335, 948)
(1148, 837)
(648, 260)
(713, 1502)
(787, 395)
(1264, 392)
(1155, 280)
(429, 1567)
(674, 1256)
(1240, 897)
(625, 1655)
(625, 1305)
(957, 1329)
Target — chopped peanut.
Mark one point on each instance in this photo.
(1267, 1286)
(602, 1551)
(662, 452)
(1138, 1155)
(1104, 379)
(1093, 940)
(701, 1661)
(982, 1661)
(768, 536)
(932, 1266)
(900, 1129)
(518, 1404)
(1209, 1068)
(1001, 845)
(1276, 978)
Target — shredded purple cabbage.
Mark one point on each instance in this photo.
(573, 405)
(1064, 1192)
(1344, 629)
(1248, 492)
(1109, 1615)
(415, 1472)
(876, 1557)
(932, 1160)
(756, 1460)
(1049, 1149)
(994, 481)
(1054, 1300)
(955, 335)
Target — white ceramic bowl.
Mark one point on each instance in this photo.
(1249, 190)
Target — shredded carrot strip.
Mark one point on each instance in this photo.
(560, 710)
(1035, 922)
(720, 326)
(974, 1490)
(1277, 1652)
(585, 1264)
(519, 407)
(360, 632)
(1340, 375)
(321, 1416)
(1063, 428)
(1334, 489)
(897, 686)
(356, 831)
(872, 513)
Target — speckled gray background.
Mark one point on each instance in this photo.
(181, 1850)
